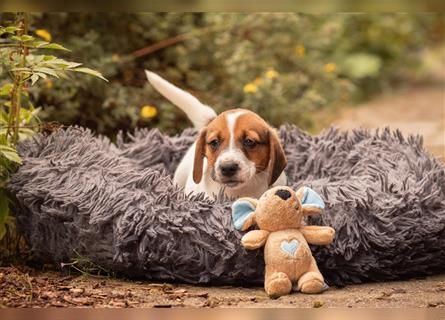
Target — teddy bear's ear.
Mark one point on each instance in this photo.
(243, 213)
(311, 201)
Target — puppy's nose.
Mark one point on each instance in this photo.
(229, 169)
(283, 194)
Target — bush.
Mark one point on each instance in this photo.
(284, 66)
(23, 64)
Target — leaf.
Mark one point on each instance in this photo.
(6, 89)
(12, 29)
(23, 38)
(34, 78)
(73, 64)
(21, 69)
(25, 133)
(362, 65)
(49, 58)
(62, 74)
(39, 43)
(91, 72)
(46, 70)
(10, 154)
(3, 117)
(36, 59)
(54, 46)
(42, 75)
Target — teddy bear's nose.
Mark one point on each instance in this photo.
(283, 194)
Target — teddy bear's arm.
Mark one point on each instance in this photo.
(254, 239)
(318, 234)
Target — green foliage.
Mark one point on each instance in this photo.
(85, 266)
(362, 65)
(22, 66)
(321, 61)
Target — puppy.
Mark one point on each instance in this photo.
(236, 152)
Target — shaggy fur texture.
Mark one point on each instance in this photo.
(384, 196)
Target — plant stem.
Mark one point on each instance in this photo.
(14, 116)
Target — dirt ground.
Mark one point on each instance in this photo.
(418, 109)
(29, 288)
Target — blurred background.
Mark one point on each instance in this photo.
(349, 70)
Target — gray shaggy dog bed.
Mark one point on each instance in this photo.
(116, 204)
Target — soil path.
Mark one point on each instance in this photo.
(29, 288)
(417, 109)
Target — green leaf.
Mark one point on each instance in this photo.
(91, 72)
(73, 64)
(34, 78)
(39, 43)
(46, 70)
(3, 117)
(361, 65)
(49, 58)
(10, 154)
(6, 89)
(12, 29)
(23, 38)
(41, 75)
(54, 46)
(62, 74)
(25, 133)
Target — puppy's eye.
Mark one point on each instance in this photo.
(249, 143)
(214, 144)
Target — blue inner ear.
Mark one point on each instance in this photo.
(241, 210)
(311, 199)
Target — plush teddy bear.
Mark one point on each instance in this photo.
(279, 215)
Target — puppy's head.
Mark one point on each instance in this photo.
(238, 144)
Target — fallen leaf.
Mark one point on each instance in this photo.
(76, 291)
(317, 304)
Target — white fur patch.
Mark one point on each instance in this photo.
(231, 121)
(232, 153)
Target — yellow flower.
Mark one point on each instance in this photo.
(300, 51)
(258, 81)
(49, 84)
(271, 74)
(330, 67)
(44, 34)
(148, 112)
(250, 88)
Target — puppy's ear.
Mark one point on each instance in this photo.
(311, 201)
(199, 156)
(243, 213)
(277, 159)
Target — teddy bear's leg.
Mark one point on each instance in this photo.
(277, 283)
(312, 281)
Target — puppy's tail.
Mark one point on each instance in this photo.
(198, 113)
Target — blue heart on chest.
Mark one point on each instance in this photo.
(290, 247)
